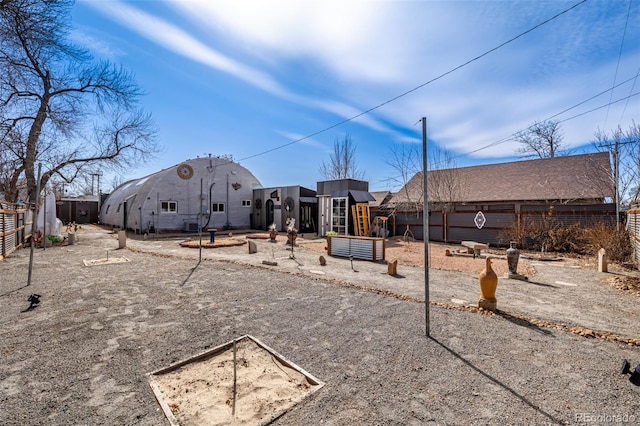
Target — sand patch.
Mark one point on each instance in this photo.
(105, 261)
(219, 242)
(201, 390)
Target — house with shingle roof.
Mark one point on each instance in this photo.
(579, 186)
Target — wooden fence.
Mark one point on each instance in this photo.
(15, 227)
(459, 224)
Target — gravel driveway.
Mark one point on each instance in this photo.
(83, 354)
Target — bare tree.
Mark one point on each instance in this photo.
(58, 106)
(406, 161)
(541, 140)
(444, 181)
(342, 161)
(624, 147)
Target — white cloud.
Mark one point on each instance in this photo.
(182, 43)
(94, 45)
(363, 53)
(341, 35)
(293, 137)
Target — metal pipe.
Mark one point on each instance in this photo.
(226, 207)
(44, 223)
(425, 222)
(200, 197)
(235, 386)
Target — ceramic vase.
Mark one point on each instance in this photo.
(513, 254)
(488, 283)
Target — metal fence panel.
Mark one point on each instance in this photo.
(633, 227)
(15, 219)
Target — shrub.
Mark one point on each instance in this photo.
(616, 242)
(567, 239)
(547, 234)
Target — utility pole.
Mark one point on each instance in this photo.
(616, 174)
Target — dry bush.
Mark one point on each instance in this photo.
(534, 234)
(512, 233)
(567, 239)
(547, 234)
(616, 242)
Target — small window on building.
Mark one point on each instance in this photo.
(107, 210)
(168, 206)
(246, 203)
(118, 210)
(217, 207)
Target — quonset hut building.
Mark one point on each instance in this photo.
(213, 192)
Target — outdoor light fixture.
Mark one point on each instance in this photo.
(634, 376)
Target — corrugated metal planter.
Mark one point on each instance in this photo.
(366, 248)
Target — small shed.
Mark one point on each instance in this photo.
(335, 201)
(276, 205)
(81, 210)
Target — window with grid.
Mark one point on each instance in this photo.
(339, 215)
(168, 206)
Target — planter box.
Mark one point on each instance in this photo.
(365, 248)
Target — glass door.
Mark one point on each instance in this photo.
(339, 215)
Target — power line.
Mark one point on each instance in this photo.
(417, 87)
(627, 104)
(600, 107)
(615, 75)
(510, 137)
(596, 95)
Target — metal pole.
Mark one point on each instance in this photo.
(34, 225)
(617, 177)
(226, 208)
(201, 196)
(235, 385)
(44, 222)
(99, 199)
(425, 222)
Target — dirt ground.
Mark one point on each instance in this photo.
(411, 253)
(550, 355)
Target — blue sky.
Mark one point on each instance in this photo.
(243, 77)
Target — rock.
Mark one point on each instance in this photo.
(253, 248)
(322, 260)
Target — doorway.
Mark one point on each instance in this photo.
(269, 206)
